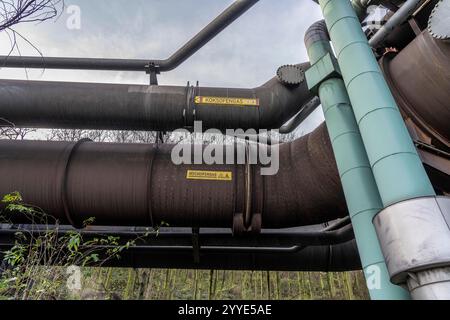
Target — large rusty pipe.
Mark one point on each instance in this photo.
(66, 105)
(426, 99)
(138, 185)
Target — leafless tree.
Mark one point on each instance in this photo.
(10, 132)
(120, 136)
(14, 12)
(13, 133)
(76, 135)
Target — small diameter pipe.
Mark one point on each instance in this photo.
(222, 21)
(356, 176)
(397, 19)
(304, 113)
(326, 258)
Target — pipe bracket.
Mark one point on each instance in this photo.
(189, 112)
(326, 68)
(250, 220)
(63, 187)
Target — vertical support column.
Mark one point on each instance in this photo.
(413, 228)
(359, 185)
(396, 166)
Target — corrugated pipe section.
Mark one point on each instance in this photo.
(138, 185)
(62, 105)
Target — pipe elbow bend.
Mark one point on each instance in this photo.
(280, 100)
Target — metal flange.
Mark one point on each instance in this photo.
(291, 75)
(439, 21)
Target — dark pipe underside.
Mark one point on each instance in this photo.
(284, 250)
(173, 249)
(138, 185)
(40, 104)
(333, 258)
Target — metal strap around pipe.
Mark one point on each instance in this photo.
(65, 203)
(153, 153)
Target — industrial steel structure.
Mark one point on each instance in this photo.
(367, 189)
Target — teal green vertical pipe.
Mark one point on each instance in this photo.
(359, 186)
(396, 166)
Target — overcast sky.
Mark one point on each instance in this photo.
(246, 54)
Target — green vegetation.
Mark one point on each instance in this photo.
(152, 284)
(36, 268)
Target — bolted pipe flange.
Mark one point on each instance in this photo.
(415, 237)
(439, 21)
(291, 75)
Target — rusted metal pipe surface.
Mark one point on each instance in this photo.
(138, 185)
(419, 77)
(66, 105)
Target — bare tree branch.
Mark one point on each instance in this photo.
(13, 12)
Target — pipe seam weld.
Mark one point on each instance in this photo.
(375, 110)
(394, 154)
(349, 83)
(348, 45)
(355, 168)
(357, 133)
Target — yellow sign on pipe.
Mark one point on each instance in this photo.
(209, 175)
(226, 101)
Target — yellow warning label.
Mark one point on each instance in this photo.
(209, 175)
(224, 101)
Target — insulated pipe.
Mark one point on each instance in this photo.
(400, 16)
(397, 168)
(227, 17)
(304, 113)
(65, 105)
(359, 185)
(139, 185)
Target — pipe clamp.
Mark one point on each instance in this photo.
(324, 69)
